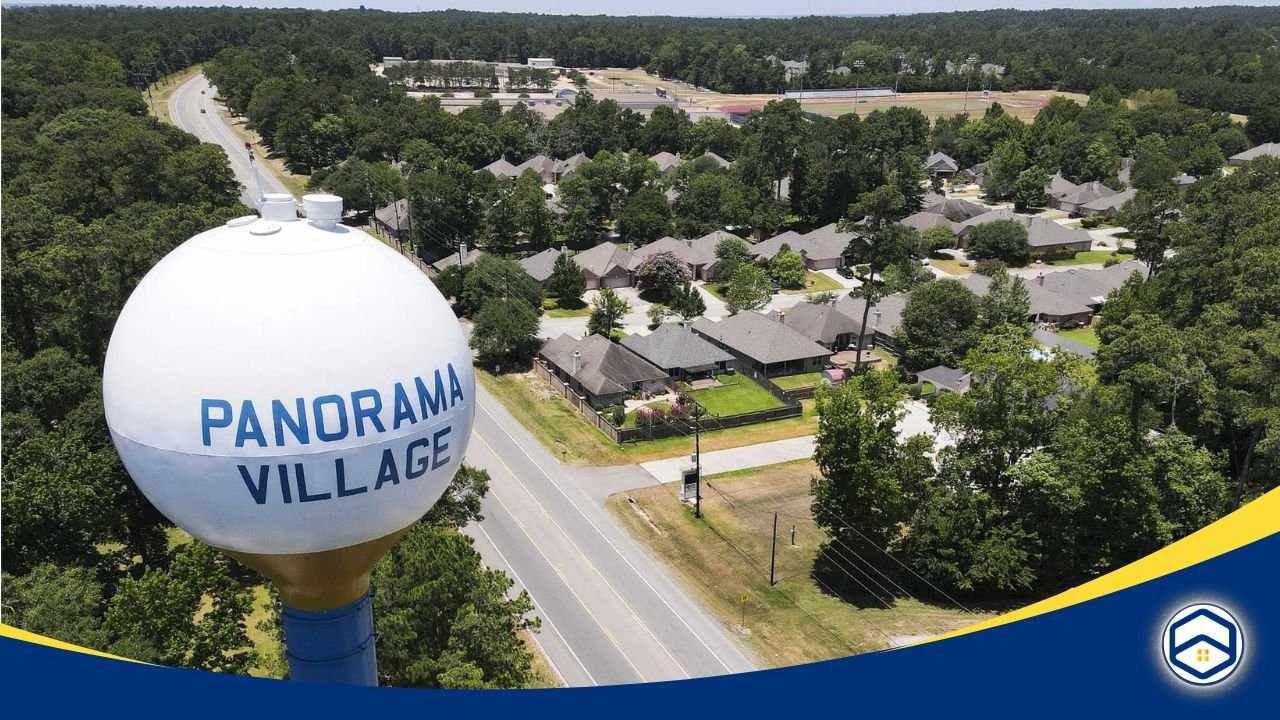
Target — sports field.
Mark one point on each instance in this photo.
(1024, 104)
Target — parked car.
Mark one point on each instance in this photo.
(845, 272)
(201, 111)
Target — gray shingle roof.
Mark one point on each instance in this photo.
(953, 379)
(940, 162)
(1066, 292)
(666, 161)
(1059, 186)
(825, 243)
(759, 338)
(682, 249)
(395, 215)
(541, 266)
(890, 307)
(502, 168)
(957, 209)
(820, 323)
(924, 220)
(1041, 232)
(1111, 203)
(1087, 193)
(601, 259)
(766, 249)
(676, 346)
(1269, 148)
(604, 367)
(452, 259)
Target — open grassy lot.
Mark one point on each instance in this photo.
(1024, 105)
(726, 556)
(815, 282)
(1084, 336)
(1089, 256)
(791, 382)
(737, 394)
(568, 435)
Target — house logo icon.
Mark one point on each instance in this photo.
(1203, 644)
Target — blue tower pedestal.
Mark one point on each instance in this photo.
(332, 646)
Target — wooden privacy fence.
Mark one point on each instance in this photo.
(577, 401)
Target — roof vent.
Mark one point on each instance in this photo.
(278, 207)
(323, 211)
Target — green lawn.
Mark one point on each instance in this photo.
(951, 266)
(815, 282)
(717, 290)
(1091, 256)
(552, 307)
(791, 382)
(737, 394)
(1084, 336)
(568, 436)
(727, 554)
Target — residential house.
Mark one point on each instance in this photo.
(542, 265)
(695, 258)
(1058, 187)
(767, 346)
(393, 220)
(924, 220)
(666, 162)
(570, 166)
(1043, 235)
(500, 168)
(548, 168)
(707, 246)
(824, 324)
(767, 249)
(883, 319)
(605, 266)
(956, 209)
(724, 164)
(680, 352)
(1269, 148)
(1107, 206)
(824, 248)
(946, 379)
(1082, 195)
(471, 256)
(940, 164)
(602, 370)
(1066, 297)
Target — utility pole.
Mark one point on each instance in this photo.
(697, 461)
(773, 553)
(857, 82)
(902, 63)
(968, 62)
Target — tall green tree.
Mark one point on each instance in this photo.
(567, 282)
(607, 311)
(749, 289)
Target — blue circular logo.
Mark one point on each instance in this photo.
(1203, 644)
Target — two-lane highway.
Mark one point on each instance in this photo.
(185, 105)
(610, 613)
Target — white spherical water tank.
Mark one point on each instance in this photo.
(281, 386)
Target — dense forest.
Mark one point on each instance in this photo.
(1217, 58)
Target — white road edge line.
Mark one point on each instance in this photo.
(615, 549)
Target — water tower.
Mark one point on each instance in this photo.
(295, 394)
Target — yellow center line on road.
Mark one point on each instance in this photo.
(589, 563)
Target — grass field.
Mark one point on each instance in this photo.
(725, 557)
(951, 266)
(737, 394)
(552, 307)
(568, 436)
(1084, 336)
(1089, 256)
(791, 382)
(815, 282)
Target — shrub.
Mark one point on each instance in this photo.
(1113, 260)
(1124, 250)
(1091, 222)
(523, 95)
(989, 267)
(644, 417)
(619, 416)
(482, 93)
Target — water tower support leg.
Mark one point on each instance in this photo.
(332, 646)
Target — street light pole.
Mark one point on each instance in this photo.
(857, 82)
(697, 462)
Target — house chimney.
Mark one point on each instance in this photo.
(877, 325)
(577, 358)
(631, 248)
(564, 248)
(1040, 279)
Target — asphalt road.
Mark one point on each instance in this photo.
(184, 108)
(610, 614)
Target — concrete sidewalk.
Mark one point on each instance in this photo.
(739, 458)
(914, 422)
